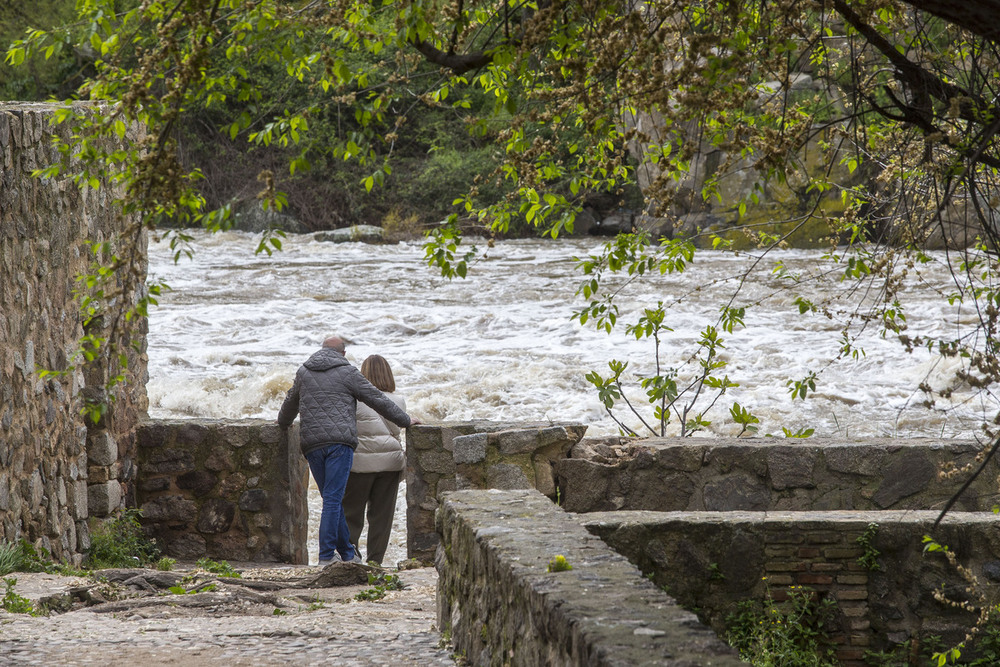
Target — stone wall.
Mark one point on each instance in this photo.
(48, 452)
(884, 585)
(844, 519)
(225, 490)
(476, 454)
(695, 474)
(501, 606)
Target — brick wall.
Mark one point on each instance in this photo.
(872, 564)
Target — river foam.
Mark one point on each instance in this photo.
(502, 345)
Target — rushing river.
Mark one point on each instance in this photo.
(501, 344)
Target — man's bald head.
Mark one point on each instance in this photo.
(336, 342)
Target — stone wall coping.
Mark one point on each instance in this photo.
(806, 443)
(601, 612)
(841, 517)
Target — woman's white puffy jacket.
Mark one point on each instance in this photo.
(379, 448)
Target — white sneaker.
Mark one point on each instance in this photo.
(336, 559)
(357, 559)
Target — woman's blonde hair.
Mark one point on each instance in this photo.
(377, 370)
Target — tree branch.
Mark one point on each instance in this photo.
(457, 63)
(979, 18)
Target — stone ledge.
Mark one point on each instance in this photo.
(501, 606)
(770, 474)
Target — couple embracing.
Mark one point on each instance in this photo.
(350, 435)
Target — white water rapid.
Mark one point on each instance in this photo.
(501, 345)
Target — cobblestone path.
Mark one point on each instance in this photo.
(315, 626)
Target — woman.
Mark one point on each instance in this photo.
(378, 466)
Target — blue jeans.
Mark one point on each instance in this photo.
(331, 467)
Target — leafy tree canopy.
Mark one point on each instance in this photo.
(573, 94)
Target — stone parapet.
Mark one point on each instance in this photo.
(47, 449)
(502, 607)
(763, 474)
(872, 564)
(224, 489)
(476, 454)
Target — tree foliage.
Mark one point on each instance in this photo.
(899, 130)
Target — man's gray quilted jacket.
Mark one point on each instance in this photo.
(325, 394)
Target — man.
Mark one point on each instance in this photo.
(325, 394)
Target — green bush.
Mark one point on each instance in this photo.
(795, 632)
(165, 564)
(15, 603)
(121, 542)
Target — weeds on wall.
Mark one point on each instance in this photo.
(793, 632)
(869, 557)
(558, 564)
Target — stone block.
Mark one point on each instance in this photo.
(168, 462)
(736, 492)
(232, 485)
(191, 433)
(187, 546)
(199, 482)
(36, 489)
(78, 500)
(272, 433)
(507, 476)
(436, 461)
(791, 467)
(545, 480)
(855, 459)
(253, 500)
(521, 441)
(154, 484)
(905, 476)
(82, 536)
(152, 433)
(103, 499)
(470, 448)
(216, 516)
(585, 485)
(254, 458)
(169, 508)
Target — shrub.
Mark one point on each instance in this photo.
(15, 603)
(121, 542)
(772, 634)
